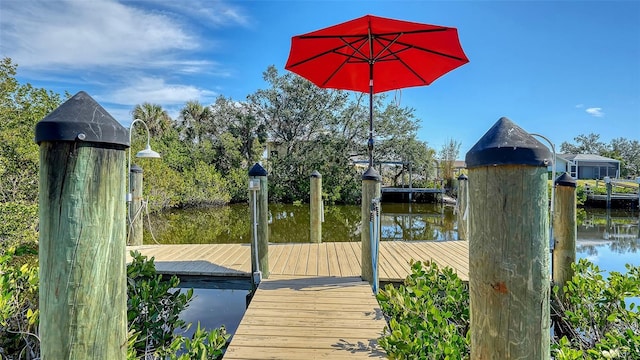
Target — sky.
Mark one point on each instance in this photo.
(555, 68)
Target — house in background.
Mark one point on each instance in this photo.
(587, 166)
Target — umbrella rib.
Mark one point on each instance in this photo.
(394, 54)
(335, 50)
(410, 46)
(347, 58)
(433, 52)
(386, 47)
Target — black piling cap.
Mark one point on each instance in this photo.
(463, 177)
(81, 119)
(565, 180)
(136, 169)
(371, 174)
(507, 144)
(315, 174)
(257, 170)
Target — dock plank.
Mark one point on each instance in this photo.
(315, 325)
(325, 259)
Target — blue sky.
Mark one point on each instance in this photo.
(558, 68)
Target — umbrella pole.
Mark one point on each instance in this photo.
(370, 144)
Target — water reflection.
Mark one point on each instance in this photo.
(615, 229)
(417, 222)
(290, 224)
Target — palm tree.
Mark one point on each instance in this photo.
(154, 116)
(195, 121)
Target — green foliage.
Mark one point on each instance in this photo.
(592, 316)
(428, 315)
(153, 309)
(18, 305)
(581, 195)
(203, 345)
(18, 224)
(205, 186)
(447, 156)
(21, 107)
(153, 305)
(593, 319)
(237, 182)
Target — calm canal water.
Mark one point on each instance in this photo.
(609, 239)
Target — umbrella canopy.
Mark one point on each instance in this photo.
(375, 54)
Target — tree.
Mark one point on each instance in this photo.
(448, 155)
(299, 116)
(241, 121)
(154, 116)
(319, 129)
(628, 151)
(586, 144)
(195, 121)
(21, 107)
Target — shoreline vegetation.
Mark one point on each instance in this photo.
(428, 315)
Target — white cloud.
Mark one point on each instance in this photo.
(212, 13)
(156, 91)
(595, 111)
(579, 106)
(127, 53)
(76, 33)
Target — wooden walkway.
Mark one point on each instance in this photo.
(314, 304)
(310, 318)
(337, 259)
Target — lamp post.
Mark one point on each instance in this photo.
(134, 234)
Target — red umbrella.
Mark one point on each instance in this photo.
(402, 53)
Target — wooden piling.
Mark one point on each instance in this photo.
(315, 208)
(135, 228)
(82, 211)
(609, 186)
(462, 215)
(258, 173)
(564, 230)
(509, 245)
(371, 189)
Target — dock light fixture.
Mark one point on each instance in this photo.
(147, 153)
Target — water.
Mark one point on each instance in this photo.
(290, 224)
(610, 239)
(214, 308)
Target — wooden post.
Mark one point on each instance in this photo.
(82, 211)
(315, 208)
(638, 181)
(371, 190)
(607, 181)
(509, 245)
(258, 173)
(135, 228)
(463, 214)
(564, 230)
(410, 183)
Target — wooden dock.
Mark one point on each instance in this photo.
(412, 190)
(314, 304)
(335, 259)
